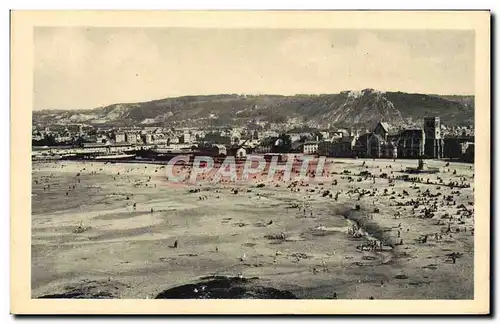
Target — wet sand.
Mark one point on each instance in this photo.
(85, 229)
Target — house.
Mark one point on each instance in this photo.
(265, 146)
(130, 138)
(241, 153)
(62, 138)
(311, 147)
(119, 137)
(294, 136)
(220, 149)
(148, 139)
(325, 148)
(269, 134)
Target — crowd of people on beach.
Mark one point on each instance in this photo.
(360, 186)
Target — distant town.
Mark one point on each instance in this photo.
(432, 140)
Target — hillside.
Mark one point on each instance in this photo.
(348, 108)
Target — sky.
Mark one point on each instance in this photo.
(81, 68)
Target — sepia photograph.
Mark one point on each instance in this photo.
(251, 156)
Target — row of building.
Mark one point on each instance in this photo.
(385, 142)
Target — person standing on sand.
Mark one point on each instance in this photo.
(453, 257)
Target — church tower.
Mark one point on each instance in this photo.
(433, 140)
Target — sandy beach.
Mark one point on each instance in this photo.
(113, 228)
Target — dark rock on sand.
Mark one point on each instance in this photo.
(90, 289)
(221, 287)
